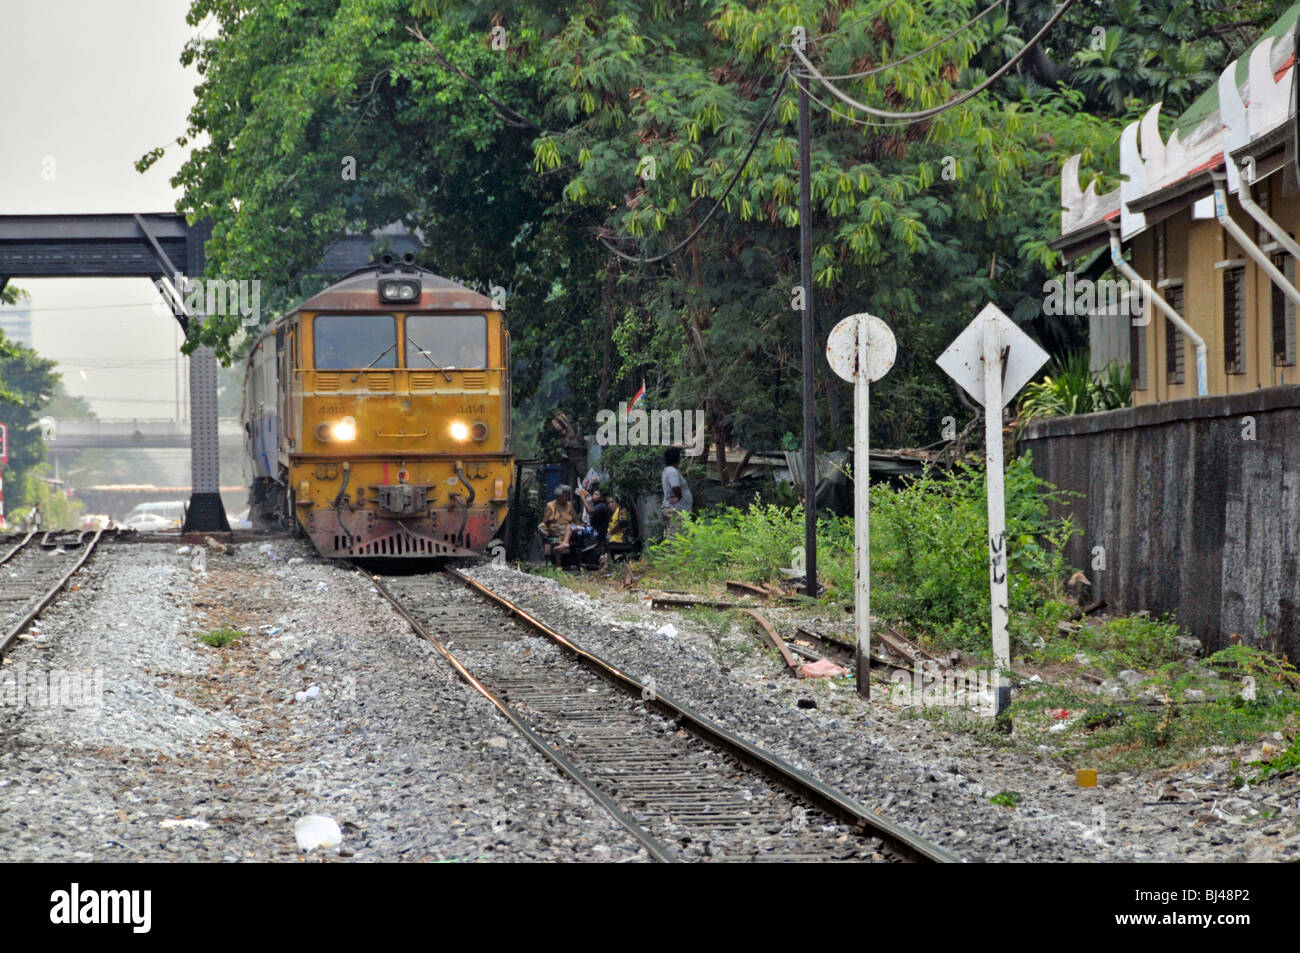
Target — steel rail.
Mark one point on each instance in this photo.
(802, 785)
(656, 849)
(17, 546)
(21, 625)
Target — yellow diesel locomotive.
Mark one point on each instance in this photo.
(377, 417)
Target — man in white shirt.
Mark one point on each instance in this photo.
(677, 495)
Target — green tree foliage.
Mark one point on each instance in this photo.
(36, 487)
(514, 135)
(65, 406)
(1125, 51)
(27, 381)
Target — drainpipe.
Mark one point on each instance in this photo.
(1249, 247)
(1150, 293)
(1277, 232)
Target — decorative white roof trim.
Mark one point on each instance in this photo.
(1132, 184)
(1149, 164)
(1268, 103)
(1082, 208)
(1232, 112)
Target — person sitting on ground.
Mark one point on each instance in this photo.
(619, 520)
(585, 533)
(598, 514)
(559, 515)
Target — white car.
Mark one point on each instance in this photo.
(156, 517)
(151, 523)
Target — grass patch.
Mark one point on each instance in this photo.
(1006, 798)
(220, 638)
(929, 568)
(1182, 707)
(1284, 763)
(1110, 645)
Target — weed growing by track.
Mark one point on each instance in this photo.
(929, 568)
(220, 638)
(1168, 708)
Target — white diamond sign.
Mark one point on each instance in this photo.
(964, 359)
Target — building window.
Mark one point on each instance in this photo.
(1234, 320)
(1283, 315)
(1137, 354)
(1175, 346)
(1160, 251)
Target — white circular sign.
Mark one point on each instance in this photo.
(842, 347)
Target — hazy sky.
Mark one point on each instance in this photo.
(95, 84)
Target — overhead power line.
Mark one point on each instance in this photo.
(20, 310)
(917, 114)
(735, 177)
(845, 116)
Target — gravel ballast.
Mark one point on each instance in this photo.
(936, 782)
(167, 748)
(327, 705)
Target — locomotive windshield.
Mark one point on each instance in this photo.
(355, 341)
(454, 341)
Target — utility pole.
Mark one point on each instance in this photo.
(806, 280)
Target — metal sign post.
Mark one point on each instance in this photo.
(861, 349)
(4, 462)
(992, 359)
(807, 329)
(997, 504)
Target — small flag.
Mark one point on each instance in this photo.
(635, 400)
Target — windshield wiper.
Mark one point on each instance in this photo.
(378, 357)
(429, 357)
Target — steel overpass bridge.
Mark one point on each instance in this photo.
(157, 246)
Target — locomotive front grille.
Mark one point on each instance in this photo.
(400, 544)
(475, 381)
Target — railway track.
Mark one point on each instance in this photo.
(33, 571)
(685, 788)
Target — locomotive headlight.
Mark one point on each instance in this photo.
(479, 431)
(403, 291)
(459, 431)
(344, 430)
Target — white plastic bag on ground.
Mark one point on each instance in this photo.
(316, 831)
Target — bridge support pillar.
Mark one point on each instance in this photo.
(206, 513)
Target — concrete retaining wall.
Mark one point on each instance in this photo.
(1192, 517)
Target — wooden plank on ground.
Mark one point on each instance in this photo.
(777, 642)
(668, 602)
(908, 649)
